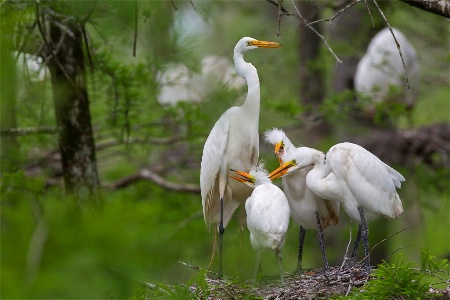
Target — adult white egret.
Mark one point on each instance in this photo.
(232, 143)
(360, 181)
(380, 76)
(307, 209)
(267, 214)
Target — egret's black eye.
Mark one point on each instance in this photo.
(248, 43)
(294, 162)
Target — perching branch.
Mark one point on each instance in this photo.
(438, 7)
(146, 174)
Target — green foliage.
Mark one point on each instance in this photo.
(428, 263)
(398, 279)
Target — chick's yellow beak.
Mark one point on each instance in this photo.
(279, 150)
(245, 178)
(282, 170)
(264, 44)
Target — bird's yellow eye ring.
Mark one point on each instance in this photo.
(248, 43)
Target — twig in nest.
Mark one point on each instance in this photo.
(348, 246)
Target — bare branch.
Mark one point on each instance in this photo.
(146, 174)
(336, 14)
(438, 7)
(153, 141)
(278, 4)
(315, 31)
(28, 131)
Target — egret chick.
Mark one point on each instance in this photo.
(363, 184)
(307, 209)
(267, 214)
(233, 143)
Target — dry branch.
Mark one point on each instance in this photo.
(28, 131)
(438, 7)
(146, 174)
(428, 144)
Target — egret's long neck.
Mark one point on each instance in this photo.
(317, 159)
(249, 73)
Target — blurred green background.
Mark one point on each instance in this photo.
(52, 247)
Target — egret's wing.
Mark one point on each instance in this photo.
(396, 177)
(213, 151)
(368, 178)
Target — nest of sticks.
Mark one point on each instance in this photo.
(314, 284)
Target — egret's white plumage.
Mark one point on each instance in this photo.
(360, 181)
(380, 75)
(306, 208)
(232, 143)
(267, 214)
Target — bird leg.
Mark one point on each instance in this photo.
(321, 243)
(355, 247)
(365, 237)
(221, 231)
(301, 239)
(280, 263)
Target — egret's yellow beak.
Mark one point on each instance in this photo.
(245, 178)
(264, 44)
(282, 170)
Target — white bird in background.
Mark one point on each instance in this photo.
(307, 209)
(233, 143)
(31, 66)
(360, 181)
(178, 83)
(380, 76)
(267, 214)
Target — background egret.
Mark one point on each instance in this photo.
(232, 143)
(267, 214)
(360, 181)
(307, 209)
(380, 76)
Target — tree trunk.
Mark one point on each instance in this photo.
(75, 139)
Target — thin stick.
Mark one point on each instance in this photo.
(318, 34)
(348, 246)
(397, 250)
(336, 14)
(383, 240)
(370, 14)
